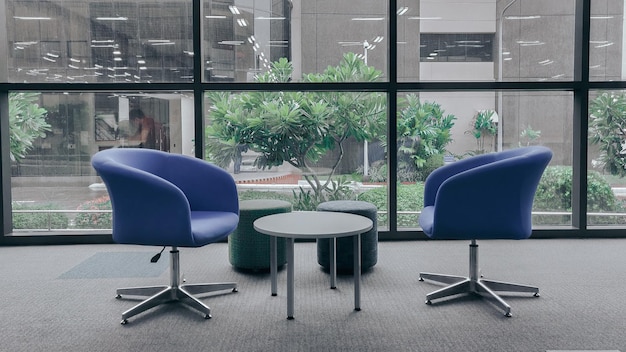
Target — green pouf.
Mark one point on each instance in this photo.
(249, 249)
(344, 249)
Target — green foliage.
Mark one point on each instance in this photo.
(252, 194)
(410, 199)
(424, 131)
(296, 127)
(26, 123)
(304, 199)
(377, 171)
(528, 136)
(38, 221)
(95, 220)
(554, 193)
(607, 129)
(484, 128)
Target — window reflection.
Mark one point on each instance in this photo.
(456, 47)
(77, 42)
(53, 186)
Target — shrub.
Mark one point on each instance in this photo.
(95, 220)
(250, 195)
(607, 117)
(38, 221)
(554, 193)
(410, 199)
(424, 131)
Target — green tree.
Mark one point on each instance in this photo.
(297, 128)
(607, 129)
(27, 122)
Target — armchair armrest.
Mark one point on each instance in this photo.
(206, 186)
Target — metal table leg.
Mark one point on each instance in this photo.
(274, 264)
(290, 279)
(357, 272)
(333, 262)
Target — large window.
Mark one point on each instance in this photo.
(310, 101)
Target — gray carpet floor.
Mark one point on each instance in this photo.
(62, 298)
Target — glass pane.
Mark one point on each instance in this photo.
(453, 40)
(53, 185)
(243, 39)
(606, 182)
(93, 41)
(606, 37)
(435, 128)
(302, 147)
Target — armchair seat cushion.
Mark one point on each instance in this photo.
(427, 219)
(211, 226)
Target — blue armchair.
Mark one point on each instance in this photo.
(488, 196)
(169, 200)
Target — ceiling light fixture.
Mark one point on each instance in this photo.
(118, 18)
(269, 18)
(534, 17)
(368, 18)
(604, 45)
(425, 18)
(32, 18)
(402, 10)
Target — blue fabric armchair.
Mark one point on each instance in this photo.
(169, 200)
(488, 196)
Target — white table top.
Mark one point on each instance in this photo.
(313, 224)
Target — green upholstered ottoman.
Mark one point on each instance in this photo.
(344, 249)
(247, 248)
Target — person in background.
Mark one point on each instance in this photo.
(144, 128)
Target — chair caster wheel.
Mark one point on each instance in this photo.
(421, 279)
(208, 316)
(537, 294)
(124, 322)
(118, 296)
(235, 290)
(428, 302)
(508, 315)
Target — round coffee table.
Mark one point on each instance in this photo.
(313, 225)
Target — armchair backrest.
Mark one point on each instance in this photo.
(154, 193)
(486, 196)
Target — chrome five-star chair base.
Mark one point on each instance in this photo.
(158, 295)
(475, 285)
